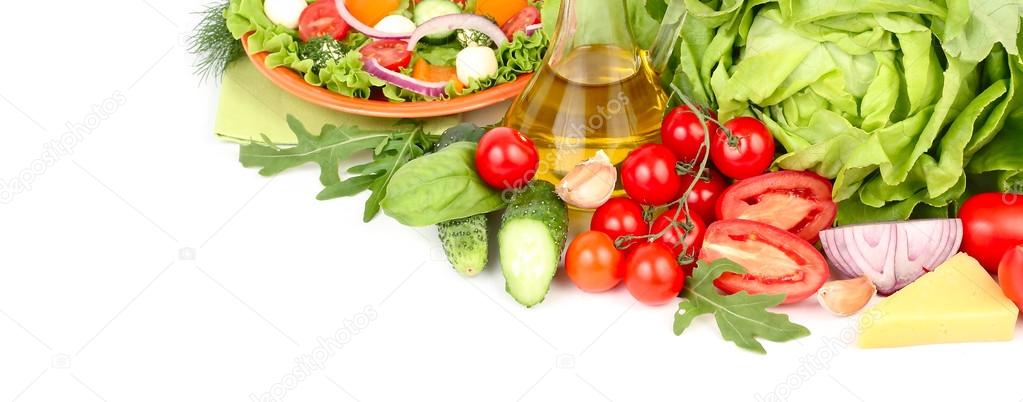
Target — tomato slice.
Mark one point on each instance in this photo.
(522, 19)
(799, 202)
(390, 53)
(776, 261)
(321, 19)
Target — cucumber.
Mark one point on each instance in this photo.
(465, 243)
(531, 239)
(429, 9)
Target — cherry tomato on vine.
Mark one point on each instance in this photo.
(743, 148)
(620, 217)
(683, 132)
(692, 229)
(703, 199)
(649, 175)
(506, 159)
(593, 263)
(652, 274)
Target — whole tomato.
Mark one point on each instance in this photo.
(652, 274)
(593, 263)
(506, 159)
(992, 224)
(743, 149)
(649, 175)
(692, 229)
(703, 199)
(1010, 275)
(684, 133)
(620, 217)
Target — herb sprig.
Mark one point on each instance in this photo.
(212, 43)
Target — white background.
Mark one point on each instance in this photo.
(148, 265)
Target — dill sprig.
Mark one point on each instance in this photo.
(212, 43)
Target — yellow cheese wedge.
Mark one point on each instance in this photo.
(958, 302)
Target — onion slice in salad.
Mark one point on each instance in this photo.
(431, 89)
(450, 22)
(533, 28)
(361, 27)
(892, 254)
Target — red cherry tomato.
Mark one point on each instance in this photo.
(593, 263)
(321, 19)
(522, 19)
(692, 229)
(390, 53)
(620, 217)
(652, 274)
(776, 261)
(506, 159)
(649, 175)
(1010, 275)
(799, 202)
(683, 132)
(743, 149)
(991, 226)
(703, 199)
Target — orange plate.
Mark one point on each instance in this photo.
(292, 82)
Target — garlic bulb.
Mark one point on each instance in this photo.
(846, 297)
(590, 184)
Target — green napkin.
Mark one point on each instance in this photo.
(251, 105)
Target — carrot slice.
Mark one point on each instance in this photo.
(425, 71)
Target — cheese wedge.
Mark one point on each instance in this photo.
(958, 302)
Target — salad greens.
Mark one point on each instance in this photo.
(906, 104)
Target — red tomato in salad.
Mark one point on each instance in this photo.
(620, 217)
(703, 200)
(321, 19)
(776, 261)
(518, 22)
(1010, 275)
(799, 202)
(691, 230)
(992, 224)
(743, 149)
(652, 274)
(390, 53)
(506, 159)
(683, 132)
(649, 175)
(593, 263)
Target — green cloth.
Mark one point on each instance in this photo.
(251, 106)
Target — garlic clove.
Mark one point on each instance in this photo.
(590, 183)
(846, 297)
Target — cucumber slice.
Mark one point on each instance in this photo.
(532, 237)
(430, 9)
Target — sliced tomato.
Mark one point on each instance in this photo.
(321, 19)
(390, 53)
(424, 71)
(799, 202)
(776, 261)
(522, 19)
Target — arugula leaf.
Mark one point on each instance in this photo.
(391, 150)
(741, 317)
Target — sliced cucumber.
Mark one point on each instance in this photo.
(429, 9)
(531, 239)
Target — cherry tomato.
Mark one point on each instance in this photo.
(683, 132)
(1010, 275)
(390, 53)
(518, 22)
(776, 261)
(649, 176)
(620, 217)
(991, 226)
(703, 199)
(692, 229)
(506, 159)
(799, 202)
(593, 263)
(321, 19)
(743, 149)
(652, 274)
